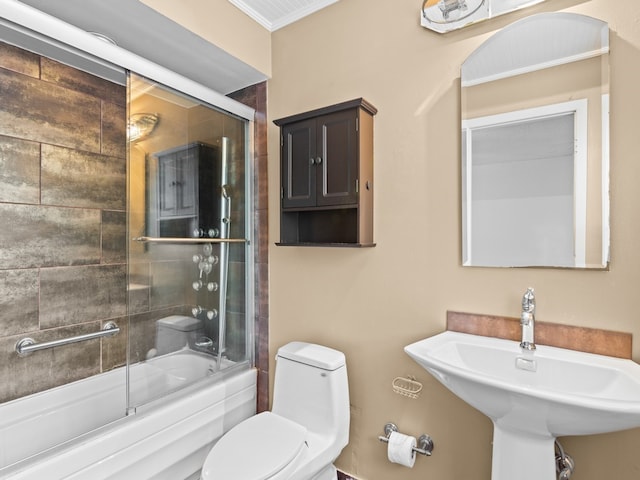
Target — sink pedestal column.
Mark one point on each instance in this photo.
(522, 456)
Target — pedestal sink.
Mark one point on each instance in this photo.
(533, 397)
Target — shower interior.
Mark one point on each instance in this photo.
(154, 261)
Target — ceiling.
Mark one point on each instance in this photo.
(275, 14)
(145, 32)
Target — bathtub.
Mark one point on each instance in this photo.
(42, 436)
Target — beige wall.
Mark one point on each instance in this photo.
(222, 24)
(371, 302)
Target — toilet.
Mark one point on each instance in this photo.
(304, 432)
(175, 332)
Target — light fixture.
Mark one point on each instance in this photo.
(450, 11)
(445, 15)
(140, 125)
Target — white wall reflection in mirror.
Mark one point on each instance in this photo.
(535, 146)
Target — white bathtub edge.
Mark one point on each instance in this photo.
(133, 442)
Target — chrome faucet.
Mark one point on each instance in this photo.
(527, 320)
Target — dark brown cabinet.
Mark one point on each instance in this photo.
(177, 182)
(327, 176)
(182, 196)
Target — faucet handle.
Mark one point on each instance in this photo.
(528, 301)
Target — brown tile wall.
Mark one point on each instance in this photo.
(344, 476)
(62, 211)
(255, 96)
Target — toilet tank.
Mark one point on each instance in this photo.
(175, 332)
(311, 388)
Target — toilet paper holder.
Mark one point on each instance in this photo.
(424, 442)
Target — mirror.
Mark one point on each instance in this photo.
(535, 145)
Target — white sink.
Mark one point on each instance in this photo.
(533, 397)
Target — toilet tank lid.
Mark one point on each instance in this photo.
(180, 322)
(311, 354)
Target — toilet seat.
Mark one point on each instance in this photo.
(256, 449)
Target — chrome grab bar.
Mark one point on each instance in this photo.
(28, 345)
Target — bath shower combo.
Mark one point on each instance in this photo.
(146, 389)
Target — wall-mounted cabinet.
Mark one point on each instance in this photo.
(182, 198)
(327, 176)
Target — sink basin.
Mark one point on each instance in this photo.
(533, 397)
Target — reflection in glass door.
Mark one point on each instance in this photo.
(189, 232)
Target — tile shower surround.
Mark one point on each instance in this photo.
(256, 98)
(63, 258)
(62, 204)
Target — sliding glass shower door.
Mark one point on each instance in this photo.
(189, 252)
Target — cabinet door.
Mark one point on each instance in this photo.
(177, 183)
(298, 164)
(337, 159)
(187, 181)
(168, 180)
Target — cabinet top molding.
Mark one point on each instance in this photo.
(356, 103)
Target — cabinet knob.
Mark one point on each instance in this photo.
(318, 160)
(312, 161)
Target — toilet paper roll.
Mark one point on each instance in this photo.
(400, 449)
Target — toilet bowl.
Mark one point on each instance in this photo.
(305, 431)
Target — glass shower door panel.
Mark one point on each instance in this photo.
(187, 223)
